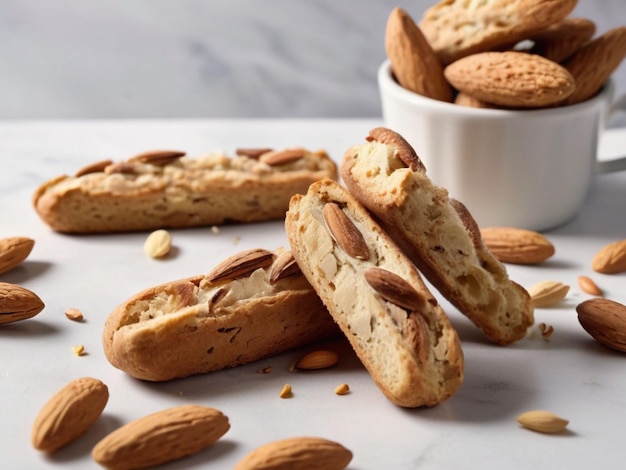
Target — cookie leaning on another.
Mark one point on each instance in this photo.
(394, 324)
(437, 233)
(253, 305)
(165, 189)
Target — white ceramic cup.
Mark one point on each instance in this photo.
(530, 169)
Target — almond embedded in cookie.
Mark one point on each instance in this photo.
(457, 28)
(414, 63)
(511, 79)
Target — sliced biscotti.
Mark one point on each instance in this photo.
(437, 233)
(252, 305)
(376, 296)
(166, 189)
(457, 28)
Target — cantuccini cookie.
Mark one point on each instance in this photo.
(377, 297)
(437, 233)
(166, 189)
(511, 79)
(457, 28)
(414, 63)
(252, 305)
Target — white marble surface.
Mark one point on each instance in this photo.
(570, 374)
(196, 58)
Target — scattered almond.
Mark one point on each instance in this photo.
(286, 392)
(548, 293)
(542, 421)
(17, 303)
(517, 246)
(546, 330)
(74, 314)
(13, 251)
(69, 414)
(161, 437)
(342, 389)
(79, 350)
(320, 359)
(264, 370)
(605, 321)
(588, 286)
(297, 453)
(158, 244)
(611, 259)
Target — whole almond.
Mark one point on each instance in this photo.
(158, 244)
(344, 232)
(605, 321)
(611, 259)
(542, 421)
(284, 266)
(560, 40)
(241, 265)
(297, 453)
(161, 437)
(511, 79)
(516, 245)
(18, 303)
(548, 293)
(158, 157)
(96, 167)
(406, 153)
(393, 288)
(320, 359)
(588, 286)
(282, 157)
(13, 251)
(69, 414)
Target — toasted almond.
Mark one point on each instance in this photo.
(542, 421)
(297, 453)
(158, 157)
(548, 293)
(393, 288)
(18, 303)
(344, 232)
(13, 251)
(610, 259)
(96, 167)
(158, 244)
(282, 157)
(319, 359)
(74, 314)
(161, 437)
(605, 321)
(517, 246)
(406, 153)
(69, 413)
(286, 392)
(284, 266)
(241, 265)
(588, 286)
(342, 389)
(124, 168)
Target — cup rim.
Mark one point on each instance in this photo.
(388, 85)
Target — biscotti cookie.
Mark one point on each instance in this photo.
(457, 28)
(253, 305)
(438, 234)
(166, 189)
(592, 64)
(415, 65)
(396, 327)
(511, 79)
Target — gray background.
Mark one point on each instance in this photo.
(205, 58)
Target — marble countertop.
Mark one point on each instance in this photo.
(197, 59)
(568, 374)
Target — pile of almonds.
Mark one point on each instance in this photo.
(528, 55)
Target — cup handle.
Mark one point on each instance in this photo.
(619, 163)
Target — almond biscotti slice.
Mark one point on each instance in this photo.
(437, 233)
(253, 305)
(396, 327)
(166, 189)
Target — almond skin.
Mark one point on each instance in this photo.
(542, 421)
(605, 321)
(517, 246)
(161, 437)
(13, 251)
(320, 359)
(610, 259)
(18, 303)
(297, 453)
(69, 414)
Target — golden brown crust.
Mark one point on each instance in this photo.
(193, 326)
(157, 190)
(440, 237)
(394, 324)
